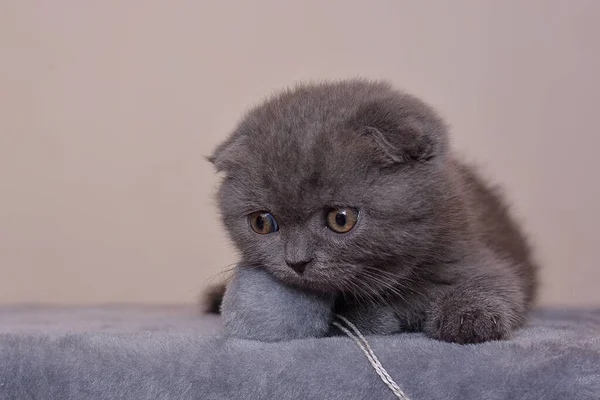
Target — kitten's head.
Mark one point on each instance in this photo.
(335, 186)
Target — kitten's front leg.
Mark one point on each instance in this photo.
(488, 304)
(259, 307)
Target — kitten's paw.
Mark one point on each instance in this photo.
(455, 319)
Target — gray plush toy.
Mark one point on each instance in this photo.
(257, 306)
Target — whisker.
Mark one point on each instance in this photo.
(372, 275)
(228, 269)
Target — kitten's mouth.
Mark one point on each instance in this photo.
(352, 279)
(320, 286)
(318, 282)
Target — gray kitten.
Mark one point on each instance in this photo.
(349, 188)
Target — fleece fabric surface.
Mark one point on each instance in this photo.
(129, 352)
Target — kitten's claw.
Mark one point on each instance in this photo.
(456, 320)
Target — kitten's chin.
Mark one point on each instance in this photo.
(319, 286)
(310, 281)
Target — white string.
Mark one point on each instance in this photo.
(362, 343)
(368, 347)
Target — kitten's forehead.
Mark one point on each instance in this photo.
(300, 151)
(319, 145)
(303, 176)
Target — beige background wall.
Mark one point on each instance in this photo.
(107, 108)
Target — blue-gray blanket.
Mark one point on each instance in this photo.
(126, 352)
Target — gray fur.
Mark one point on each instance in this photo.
(434, 249)
(291, 314)
(168, 353)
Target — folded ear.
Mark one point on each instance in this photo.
(227, 154)
(401, 129)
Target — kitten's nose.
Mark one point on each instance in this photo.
(298, 266)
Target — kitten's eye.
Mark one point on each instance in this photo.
(341, 219)
(263, 222)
